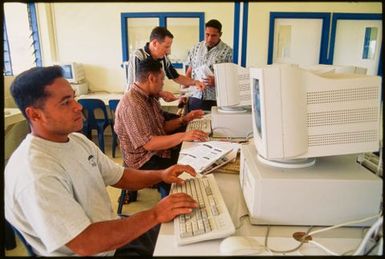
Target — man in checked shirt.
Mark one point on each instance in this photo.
(147, 140)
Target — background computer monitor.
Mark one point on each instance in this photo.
(232, 87)
(324, 68)
(73, 72)
(299, 115)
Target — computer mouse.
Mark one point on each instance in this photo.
(240, 245)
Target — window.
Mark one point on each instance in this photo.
(136, 29)
(21, 38)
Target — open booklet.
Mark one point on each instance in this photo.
(203, 155)
(229, 157)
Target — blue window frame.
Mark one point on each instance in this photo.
(34, 33)
(301, 15)
(35, 41)
(7, 55)
(351, 16)
(240, 18)
(162, 22)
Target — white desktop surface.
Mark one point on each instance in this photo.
(12, 116)
(338, 240)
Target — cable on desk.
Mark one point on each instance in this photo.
(322, 247)
(373, 229)
(344, 224)
(303, 240)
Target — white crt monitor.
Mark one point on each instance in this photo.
(298, 114)
(324, 68)
(232, 87)
(73, 72)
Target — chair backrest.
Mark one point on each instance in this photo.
(113, 103)
(90, 105)
(27, 246)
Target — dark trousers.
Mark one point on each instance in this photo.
(196, 103)
(156, 163)
(142, 246)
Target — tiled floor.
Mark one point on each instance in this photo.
(146, 199)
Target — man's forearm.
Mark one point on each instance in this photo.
(109, 235)
(164, 142)
(134, 179)
(185, 81)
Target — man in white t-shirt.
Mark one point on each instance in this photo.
(55, 181)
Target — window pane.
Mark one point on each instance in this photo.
(370, 42)
(139, 30)
(182, 41)
(20, 42)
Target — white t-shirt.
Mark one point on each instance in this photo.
(53, 191)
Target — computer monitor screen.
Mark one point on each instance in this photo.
(73, 72)
(232, 87)
(67, 71)
(299, 115)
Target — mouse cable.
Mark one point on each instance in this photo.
(303, 240)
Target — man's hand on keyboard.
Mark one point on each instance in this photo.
(173, 205)
(170, 175)
(195, 135)
(195, 114)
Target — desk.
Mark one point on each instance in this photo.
(105, 97)
(280, 238)
(12, 116)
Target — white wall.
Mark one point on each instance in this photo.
(90, 33)
(259, 18)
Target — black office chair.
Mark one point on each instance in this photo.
(126, 197)
(113, 103)
(27, 246)
(91, 122)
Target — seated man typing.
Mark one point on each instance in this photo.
(55, 181)
(147, 140)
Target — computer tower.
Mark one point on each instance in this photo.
(335, 190)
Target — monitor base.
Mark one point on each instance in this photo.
(290, 163)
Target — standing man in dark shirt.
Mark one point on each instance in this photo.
(158, 48)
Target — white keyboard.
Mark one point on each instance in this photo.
(200, 124)
(210, 220)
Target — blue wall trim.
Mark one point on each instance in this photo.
(237, 10)
(162, 16)
(301, 15)
(351, 16)
(244, 32)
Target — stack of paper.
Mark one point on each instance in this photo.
(206, 155)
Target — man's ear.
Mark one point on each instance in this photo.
(33, 114)
(151, 78)
(220, 34)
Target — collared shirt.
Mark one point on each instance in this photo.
(199, 56)
(145, 53)
(138, 117)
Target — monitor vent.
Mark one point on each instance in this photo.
(342, 95)
(342, 117)
(343, 138)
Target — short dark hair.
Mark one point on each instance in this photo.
(160, 33)
(146, 67)
(215, 24)
(28, 88)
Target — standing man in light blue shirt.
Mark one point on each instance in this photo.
(200, 63)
